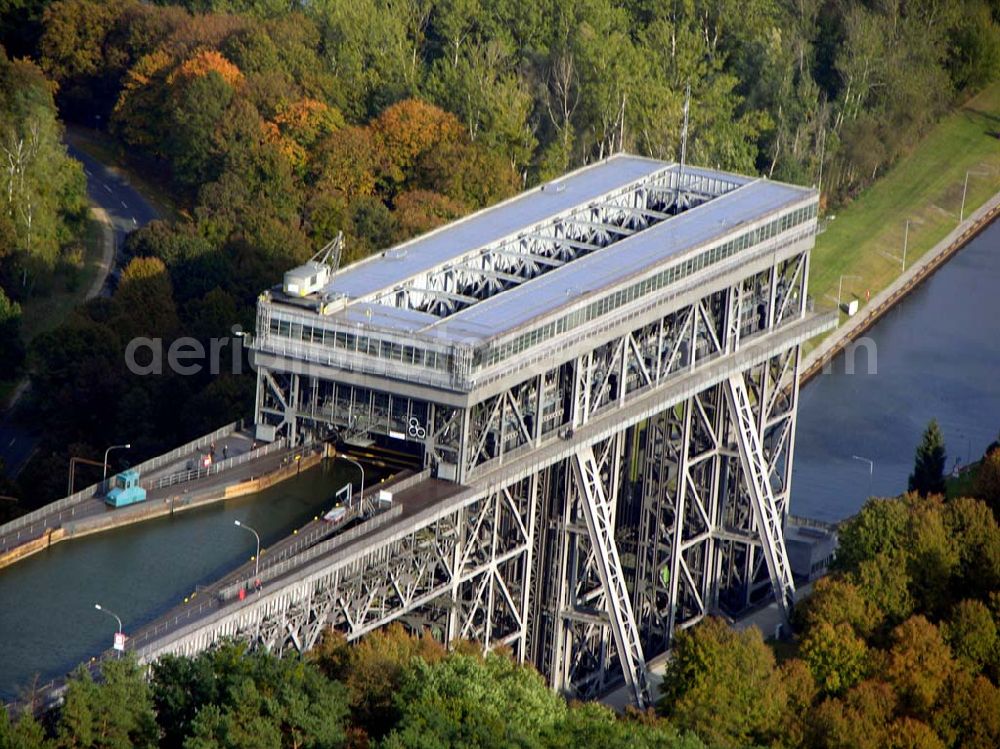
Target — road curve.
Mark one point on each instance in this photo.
(119, 208)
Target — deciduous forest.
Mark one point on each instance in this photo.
(276, 124)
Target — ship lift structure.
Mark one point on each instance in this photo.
(599, 381)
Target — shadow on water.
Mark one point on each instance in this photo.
(48, 623)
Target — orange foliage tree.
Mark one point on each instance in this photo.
(409, 129)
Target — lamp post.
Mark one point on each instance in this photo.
(117, 618)
(906, 242)
(360, 468)
(840, 287)
(965, 189)
(256, 558)
(871, 470)
(113, 447)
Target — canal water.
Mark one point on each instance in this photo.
(48, 622)
(938, 356)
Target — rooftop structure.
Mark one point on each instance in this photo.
(469, 294)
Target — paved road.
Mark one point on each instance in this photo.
(115, 201)
(121, 209)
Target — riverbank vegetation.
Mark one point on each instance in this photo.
(917, 203)
(42, 204)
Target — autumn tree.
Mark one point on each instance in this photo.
(722, 684)
(919, 663)
(373, 670)
(836, 656)
(419, 211)
(407, 130)
(861, 719)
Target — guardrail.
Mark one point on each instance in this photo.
(298, 558)
(804, 522)
(181, 477)
(40, 519)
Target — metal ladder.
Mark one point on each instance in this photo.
(597, 510)
(758, 485)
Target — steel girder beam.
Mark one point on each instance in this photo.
(562, 239)
(475, 563)
(756, 474)
(600, 524)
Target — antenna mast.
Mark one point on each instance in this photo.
(684, 130)
(684, 146)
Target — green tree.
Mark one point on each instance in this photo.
(837, 658)
(987, 483)
(592, 725)
(972, 635)
(466, 700)
(43, 199)
(934, 556)
(878, 527)
(229, 697)
(976, 534)
(25, 733)
(928, 466)
(11, 346)
(722, 685)
(114, 712)
(885, 585)
(144, 301)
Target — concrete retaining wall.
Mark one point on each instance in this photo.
(158, 508)
(882, 302)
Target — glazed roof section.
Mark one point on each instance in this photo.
(739, 201)
(491, 225)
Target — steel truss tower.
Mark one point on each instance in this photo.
(601, 380)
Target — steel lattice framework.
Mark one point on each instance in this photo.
(620, 463)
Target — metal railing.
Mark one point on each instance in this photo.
(32, 524)
(181, 477)
(304, 553)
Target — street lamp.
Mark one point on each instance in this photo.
(256, 559)
(113, 447)
(906, 242)
(871, 470)
(117, 618)
(965, 189)
(840, 287)
(360, 468)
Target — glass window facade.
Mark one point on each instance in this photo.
(389, 350)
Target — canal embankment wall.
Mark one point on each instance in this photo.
(295, 463)
(922, 268)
